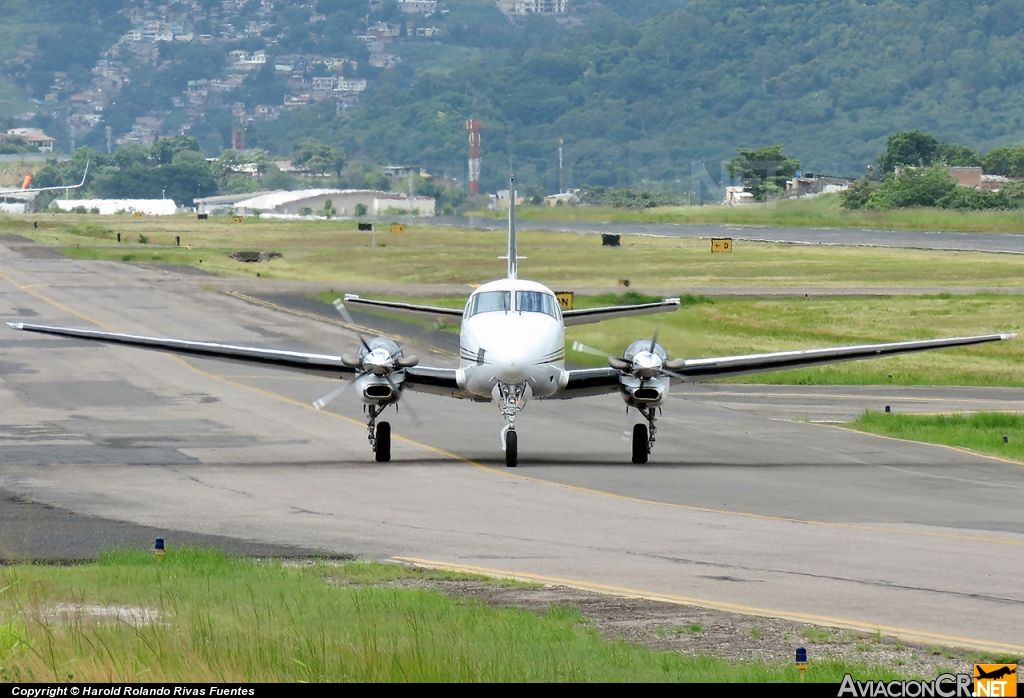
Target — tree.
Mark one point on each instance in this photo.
(924, 186)
(1008, 162)
(318, 157)
(908, 148)
(764, 171)
(956, 155)
(164, 149)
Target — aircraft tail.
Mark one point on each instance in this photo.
(27, 183)
(513, 267)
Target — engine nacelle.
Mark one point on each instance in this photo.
(641, 381)
(377, 390)
(646, 393)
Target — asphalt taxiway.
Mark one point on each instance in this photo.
(742, 507)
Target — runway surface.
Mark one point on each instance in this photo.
(741, 508)
(847, 237)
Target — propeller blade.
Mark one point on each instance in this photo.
(584, 349)
(343, 311)
(412, 413)
(323, 402)
(654, 341)
(339, 305)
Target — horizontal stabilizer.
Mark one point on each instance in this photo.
(423, 312)
(588, 316)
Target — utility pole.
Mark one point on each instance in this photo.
(108, 140)
(561, 177)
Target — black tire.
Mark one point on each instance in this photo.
(640, 444)
(382, 451)
(511, 449)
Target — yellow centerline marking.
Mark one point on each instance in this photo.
(626, 592)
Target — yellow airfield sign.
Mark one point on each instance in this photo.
(721, 244)
(564, 299)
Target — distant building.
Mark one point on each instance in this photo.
(810, 184)
(973, 177)
(422, 7)
(150, 207)
(34, 136)
(737, 195)
(533, 7)
(293, 203)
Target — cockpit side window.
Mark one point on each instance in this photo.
(489, 302)
(536, 302)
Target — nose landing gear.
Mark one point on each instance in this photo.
(511, 399)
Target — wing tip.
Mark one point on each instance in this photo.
(1008, 335)
(16, 325)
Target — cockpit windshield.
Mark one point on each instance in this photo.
(536, 302)
(489, 302)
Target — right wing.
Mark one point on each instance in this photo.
(61, 188)
(324, 364)
(586, 316)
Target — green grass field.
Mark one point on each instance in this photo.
(982, 432)
(820, 212)
(334, 251)
(200, 616)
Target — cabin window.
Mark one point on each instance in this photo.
(536, 302)
(489, 302)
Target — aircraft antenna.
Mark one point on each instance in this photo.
(512, 259)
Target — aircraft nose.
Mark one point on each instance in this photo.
(509, 367)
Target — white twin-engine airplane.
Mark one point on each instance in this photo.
(512, 346)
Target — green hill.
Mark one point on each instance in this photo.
(640, 90)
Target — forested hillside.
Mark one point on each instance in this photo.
(642, 89)
(639, 90)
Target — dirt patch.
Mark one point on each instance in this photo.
(731, 636)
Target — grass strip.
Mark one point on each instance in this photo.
(981, 431)
(819, 212)
(335, 252)
(198, 615)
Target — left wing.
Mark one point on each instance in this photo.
(439, 381)
(597, 381)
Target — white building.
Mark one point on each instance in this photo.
(296, 203)
(150, 207)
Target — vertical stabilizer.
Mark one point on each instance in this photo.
(512, 259)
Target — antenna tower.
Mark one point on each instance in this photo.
(474, 128)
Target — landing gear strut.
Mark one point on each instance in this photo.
(511, 400)
(643, 436)
(379, 435)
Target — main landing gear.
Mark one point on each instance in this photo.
(379, 435)
(643, 436)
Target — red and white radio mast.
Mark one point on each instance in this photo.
(474, 128)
